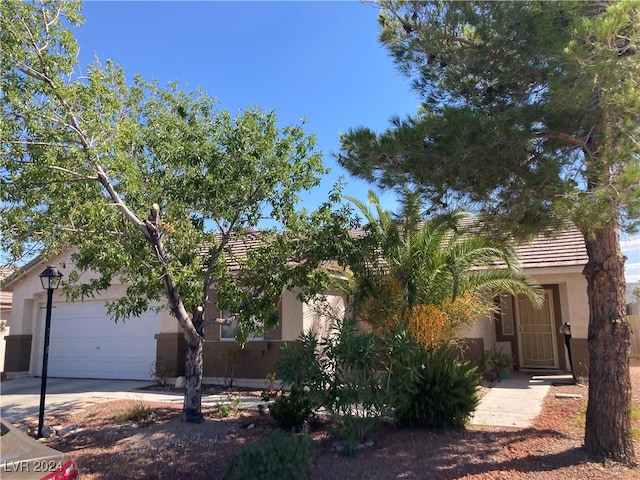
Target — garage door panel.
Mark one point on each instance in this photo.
(86, 343)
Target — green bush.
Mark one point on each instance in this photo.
(301, 364)
(436, 390)
(362, 379)
(231, 406)
(340, 372)
(292, 410)
(277, 457)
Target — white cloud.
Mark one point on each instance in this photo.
(630, 246)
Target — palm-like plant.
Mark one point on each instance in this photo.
(432, 275)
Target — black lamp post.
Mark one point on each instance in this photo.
(565, 329)
(50, 280)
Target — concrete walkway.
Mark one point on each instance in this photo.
(510, 403)
(515, 402)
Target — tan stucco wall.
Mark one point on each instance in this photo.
(321, 315)
(168, 323)
(483, 328)
(29, 298)
(292, 316)
(574, 302)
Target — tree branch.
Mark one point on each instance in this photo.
(95, 232)
(75, 174)
(570, 139)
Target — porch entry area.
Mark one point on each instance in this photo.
(533, 332)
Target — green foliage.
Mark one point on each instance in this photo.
(302, 365)
(151, 185)
(530, 114)
(441, 262)
(269, 390)
(354, 357)
(277, 457)
(340, 370)
(231, 406)
(292, 410)
(116, 167)
(371, 378)
(134, 412)
(517, 102)
(351, 432)
(436, 390)
(494, 360)
(341, 373)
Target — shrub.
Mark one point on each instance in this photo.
(494, 360)
(292, 410)
(278, 456)
(436, 390)
(302, 364)
(340, 372)
(231, 406)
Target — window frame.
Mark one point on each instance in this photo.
(234, 325)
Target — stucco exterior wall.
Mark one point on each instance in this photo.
(320, 316)
(292, 316)
(574, 302)
(482, 328)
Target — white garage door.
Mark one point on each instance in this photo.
(86, 343)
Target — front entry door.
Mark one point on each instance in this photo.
(537, 333)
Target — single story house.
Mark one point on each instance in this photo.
(86, 343)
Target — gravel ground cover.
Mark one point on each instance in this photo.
(163, 447)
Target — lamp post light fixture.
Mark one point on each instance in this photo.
(50, 280)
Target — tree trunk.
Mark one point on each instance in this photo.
(608, 422)
(192, 406)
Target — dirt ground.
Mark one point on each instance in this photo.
(163, 447)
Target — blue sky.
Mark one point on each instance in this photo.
(315, 60)
(631, 248)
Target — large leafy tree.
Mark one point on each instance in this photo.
(433, 276)
(530, 112)
(149, 185)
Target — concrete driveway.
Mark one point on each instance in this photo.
(20, 397)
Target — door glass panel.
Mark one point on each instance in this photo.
(506, 314)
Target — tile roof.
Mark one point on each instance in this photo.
(562, 250)
(238, 247)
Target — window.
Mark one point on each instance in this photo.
(229, 328)
(506, 314)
